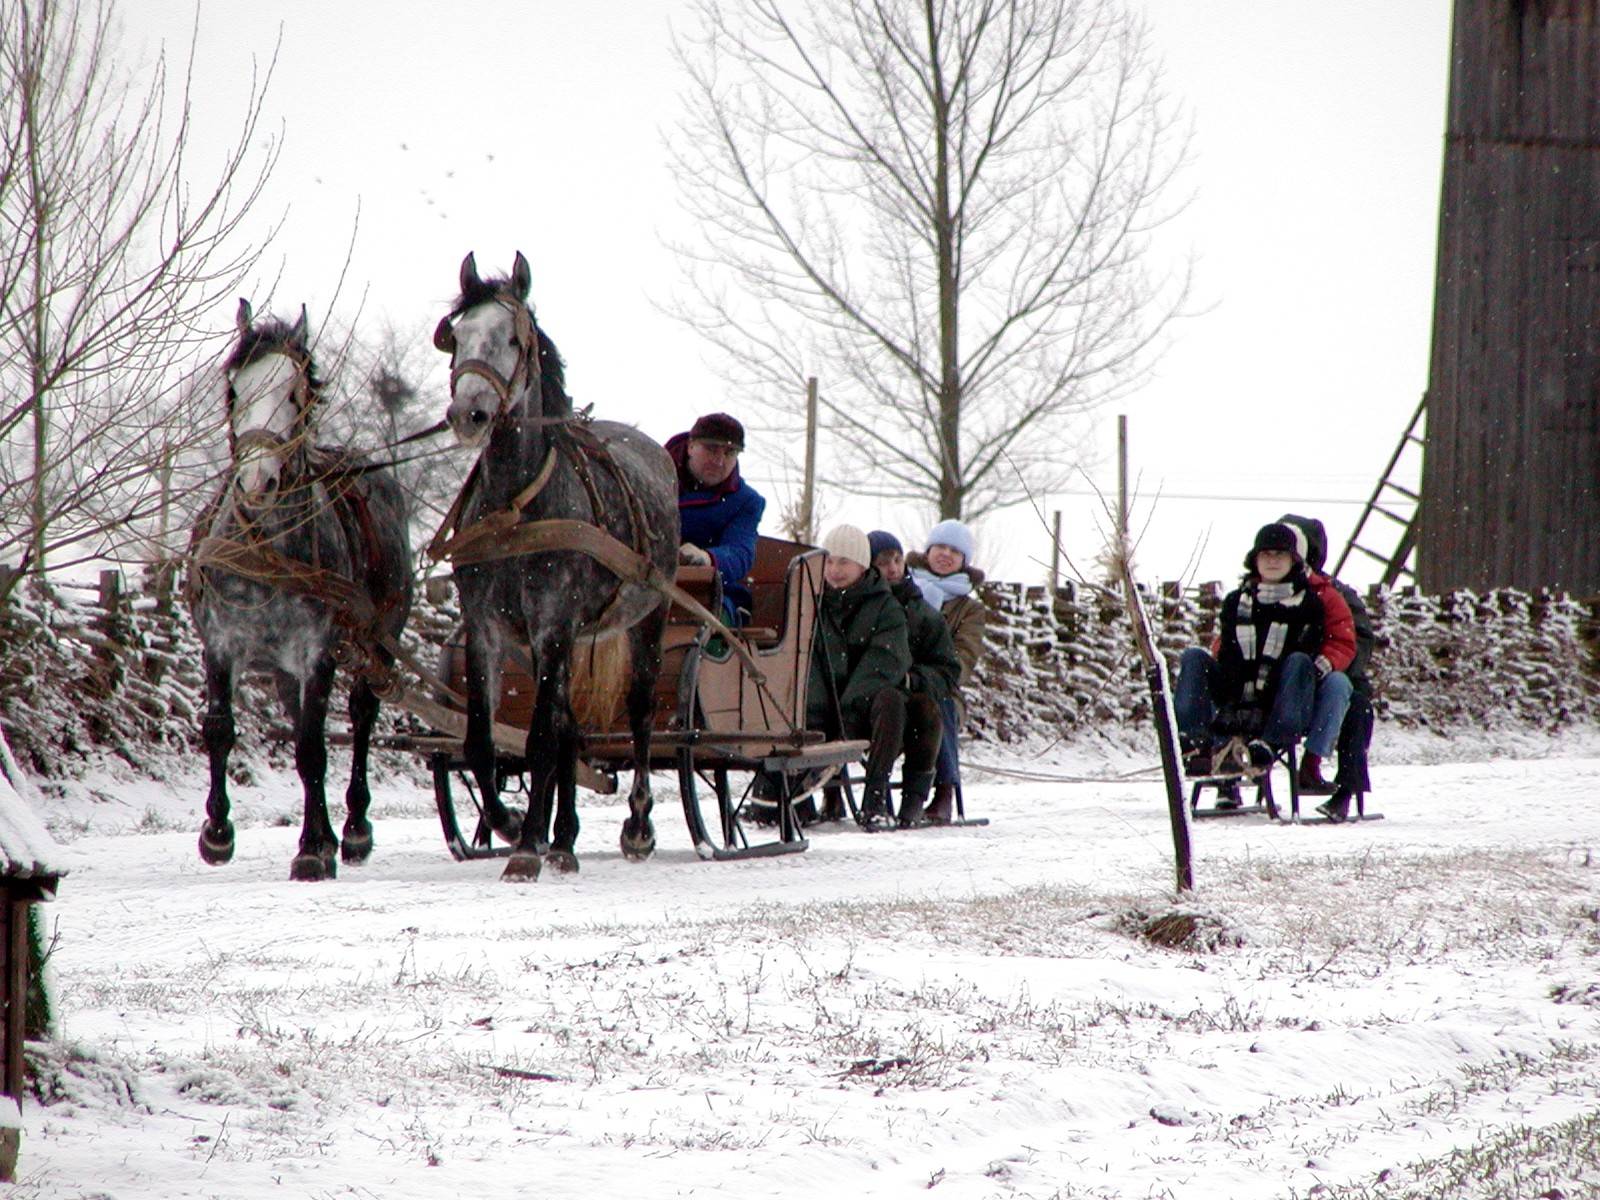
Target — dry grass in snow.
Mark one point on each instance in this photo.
(1407, 1008)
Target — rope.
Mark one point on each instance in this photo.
(1048, 777)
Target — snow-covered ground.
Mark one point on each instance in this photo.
(968, 1013)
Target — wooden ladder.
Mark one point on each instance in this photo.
(1398, 562)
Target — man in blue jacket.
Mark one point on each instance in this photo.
(719, 511)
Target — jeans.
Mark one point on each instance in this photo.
(948, 768)
(1195, 699)
(1333, 698)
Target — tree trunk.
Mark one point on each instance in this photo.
(951, 490)
(39, 212)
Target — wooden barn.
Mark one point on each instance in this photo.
(29, 872)
(1511, 473)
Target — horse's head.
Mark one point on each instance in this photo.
(495, 350)
(271, 387)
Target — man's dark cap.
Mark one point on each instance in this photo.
(718, 427)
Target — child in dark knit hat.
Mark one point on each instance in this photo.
(1259, 679)
(931, 682)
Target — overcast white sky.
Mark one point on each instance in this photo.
(537, 126)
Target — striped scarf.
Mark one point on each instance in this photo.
(1262, 643)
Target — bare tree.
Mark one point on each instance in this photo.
(944, 209)
(114, 261)
(391, 385)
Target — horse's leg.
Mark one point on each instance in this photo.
(356, 845)
(552, 670)
(216, 834)
(644, 644)
(317, 858)
(483, 690)
(563, 855)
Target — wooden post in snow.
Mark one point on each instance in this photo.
(1155, 673)
(1055, 555)
(1122, 478)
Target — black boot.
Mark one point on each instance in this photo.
(875, 805)
(942, 810)
(1337, 809)
(914, 788)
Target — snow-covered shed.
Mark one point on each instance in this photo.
(31, 867)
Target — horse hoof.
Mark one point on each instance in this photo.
(511, 828)
(563, 861)
(312, 868)
(522, 867)
(215, 849)
(356, 847)
(637, 849)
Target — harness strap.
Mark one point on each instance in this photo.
(448, 541)
(539, 537)
(259, 561)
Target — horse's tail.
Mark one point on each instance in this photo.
(602, 668)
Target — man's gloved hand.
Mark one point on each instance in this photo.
(1324, 667)
(691, 555)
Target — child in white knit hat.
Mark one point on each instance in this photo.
(859, 661)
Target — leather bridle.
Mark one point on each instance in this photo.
(282, 446)
(526, 336)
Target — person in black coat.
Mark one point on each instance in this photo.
(860, 658)
(1355, 734)
(934, 675)
(1260, 680)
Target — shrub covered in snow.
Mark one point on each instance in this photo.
(89, 674)
(1453, 664)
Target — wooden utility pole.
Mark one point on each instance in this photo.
(808, 531)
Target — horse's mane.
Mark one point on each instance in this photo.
(552, 370)
(270, 336)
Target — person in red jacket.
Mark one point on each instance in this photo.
(1333, 685)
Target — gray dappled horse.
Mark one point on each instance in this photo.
(302, 554)
(507, 394)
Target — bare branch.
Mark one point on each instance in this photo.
(944, 211)
(115, 258)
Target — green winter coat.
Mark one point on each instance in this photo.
(935, 666)
(860, 647)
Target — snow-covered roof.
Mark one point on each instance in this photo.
(26, 847)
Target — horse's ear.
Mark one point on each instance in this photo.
(521, 277)
(242, 317)
(297, 335)
(444, 337)
(469, 275)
